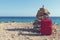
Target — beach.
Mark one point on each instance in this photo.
(24, 31)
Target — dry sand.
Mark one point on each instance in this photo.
(24, 31)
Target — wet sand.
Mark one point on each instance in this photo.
(24, 31)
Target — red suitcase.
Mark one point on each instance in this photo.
(46, 27)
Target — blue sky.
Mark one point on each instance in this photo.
(28, 7)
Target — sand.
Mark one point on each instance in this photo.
(24, 31)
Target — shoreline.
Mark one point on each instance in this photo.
(26, 22)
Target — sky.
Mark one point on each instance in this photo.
(28, 7)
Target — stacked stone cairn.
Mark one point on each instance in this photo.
(41, 14)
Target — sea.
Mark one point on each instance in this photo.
(26, 19)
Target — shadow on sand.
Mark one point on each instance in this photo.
(20, 30)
